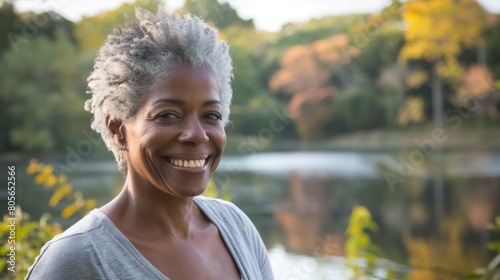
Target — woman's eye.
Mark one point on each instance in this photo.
(166, 115)
(213, 116)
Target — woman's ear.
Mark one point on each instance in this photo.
(117, 129)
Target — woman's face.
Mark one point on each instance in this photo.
(176, 140)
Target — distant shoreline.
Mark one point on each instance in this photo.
(468, 139)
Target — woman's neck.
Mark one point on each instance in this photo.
(141, 209)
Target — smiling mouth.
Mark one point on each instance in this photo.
(192, 163)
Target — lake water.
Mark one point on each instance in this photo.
(432, 210)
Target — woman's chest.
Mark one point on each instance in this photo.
(209, 259)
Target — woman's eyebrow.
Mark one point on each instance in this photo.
(169, 100)
(181, 102)
(211, 102)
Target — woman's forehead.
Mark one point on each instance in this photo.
(185, 81)
(184, 75)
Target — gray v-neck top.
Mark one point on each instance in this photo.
(94, 248)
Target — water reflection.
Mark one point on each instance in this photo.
(455, 243)
(435, 221)
(303, 213)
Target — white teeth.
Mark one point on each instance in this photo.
(188, 163)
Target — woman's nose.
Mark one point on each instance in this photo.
(193, 132)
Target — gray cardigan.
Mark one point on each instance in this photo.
(94, 248)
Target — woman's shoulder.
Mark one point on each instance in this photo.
(225, 214)
(215, 202)
(220, 207)
(78, 231)
(88, 223)
(67, 253)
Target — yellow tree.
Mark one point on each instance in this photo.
(437, 31)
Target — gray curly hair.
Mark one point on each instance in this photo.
(131, 59)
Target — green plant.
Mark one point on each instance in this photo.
(362, 255)
(29, 238)
(492, 270)
(46, 177)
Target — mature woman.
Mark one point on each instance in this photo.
(160, 98)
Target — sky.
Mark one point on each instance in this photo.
(268, 15)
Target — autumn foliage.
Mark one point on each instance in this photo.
(305, 75)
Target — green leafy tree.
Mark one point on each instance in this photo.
(91, 32)
(316, 29)
(48, 24)
(39, 92)
(221, 15)
(8, 20)
(359, 108)
(248, 48)
(378, 50)
(492, 38)
(252, 104)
